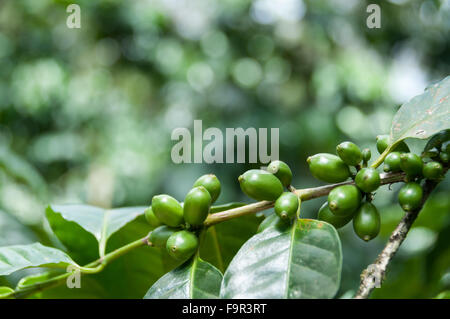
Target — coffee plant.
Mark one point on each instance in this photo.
(195, 249)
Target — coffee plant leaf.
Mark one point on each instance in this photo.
(5, 291)
(85, 229)
(299, 261)
(132, 274)
(424, 115)
(223, 241)
(17, 257)
(195, 279)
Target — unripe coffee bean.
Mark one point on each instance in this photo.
(168, 210)
(383, 143)
(344, 200)
(151, 218)
(433, 170)
(392, 162)
(182, 245)
(212, 185)
(368, 180)
(411, 164)
(260, 185)
(158, 237)
(196, 206)
(282, 171)
(327, 215)
(350, 153)
(366, 222)
(410, 196)
(328, 168)
(286, 206)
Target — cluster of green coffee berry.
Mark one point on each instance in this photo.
(269, 185)
(176, 225)
(354, 202)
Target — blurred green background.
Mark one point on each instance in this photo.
(86, 114)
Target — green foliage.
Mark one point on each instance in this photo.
(85, 230)
(16, 257)
(99, 132)
(424, 115)
(195, 279)
(299, 261)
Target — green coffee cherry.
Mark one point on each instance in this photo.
(327, 215)
(433, 170)
(260, 185)
(444, 157)
(196, 206)
(366, 155)
(212, 185)
(410, 196)
(328, 168)
(286, 206)
(271, 220)
(282, 171)
(344, 200)
(350, 153)
(368, 180)
(392, 162)
(383, 143)
(182, 245)
(158, 237)
(151, 218)
(411, 164)
(168, 210)
(366, 222)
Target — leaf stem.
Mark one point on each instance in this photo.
(91, 268)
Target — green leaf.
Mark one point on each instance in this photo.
(13, 258)
(131, 275)
(424, 115)
(195, 279)
(85, 229)
(224, 240)
(299, 261)
(5, 291)
(35, 278)
(12, 232)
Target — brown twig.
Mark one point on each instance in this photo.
(374, 274)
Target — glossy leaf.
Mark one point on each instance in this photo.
(85, 229)
(195, 279)
(299, 261)
(224, 240)
(13, 258)
(131, 275)
(424, 115)
(5, 291)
